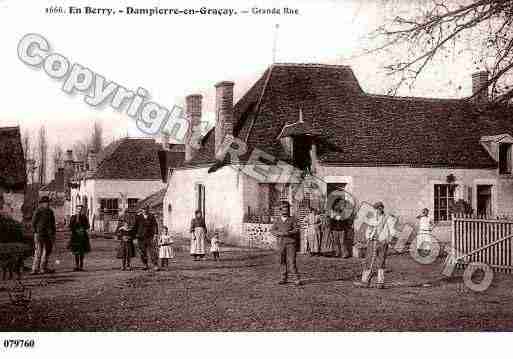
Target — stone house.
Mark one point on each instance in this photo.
(314, 121)
(13, 176)
(114, 181)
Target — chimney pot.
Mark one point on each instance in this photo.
(479, 81)
(224, 112)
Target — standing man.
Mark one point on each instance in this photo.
(146, 233)
(287, 231)
(378, 235)
(43, 224)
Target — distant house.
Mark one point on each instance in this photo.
(114, 181)
(13, 176)
(315, 120)
(59, 189)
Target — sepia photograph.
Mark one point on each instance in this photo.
(327, 169)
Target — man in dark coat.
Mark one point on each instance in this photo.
(146, 231)
(43, 224)
(285, 228)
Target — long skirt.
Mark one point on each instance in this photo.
(166, 251)
(198, 241)
(79, 243)
(424, 240)
(327, 242)
(313, 236)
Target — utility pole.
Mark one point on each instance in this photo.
(275, 42)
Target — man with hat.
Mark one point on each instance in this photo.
(378, 235)
(43, 224)
(146, 232)
(286, 230)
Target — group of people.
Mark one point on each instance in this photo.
(140, 236)
(335, 236)
(331, 235)
(44, 227)
(339, 234)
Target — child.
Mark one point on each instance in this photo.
(126, 246)
(424, 236)
(166, 250)
(214, 245)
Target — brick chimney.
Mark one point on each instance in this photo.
(224, 112)
(193, 115)
(479, 80)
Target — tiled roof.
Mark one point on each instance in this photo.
(298, 128)
(132, 159)
(154, 200)
(12, 160)
(359, 128)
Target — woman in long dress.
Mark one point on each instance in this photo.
(79, 243)
(199, 232)
(313, 232)
(326, 237)
(424, 235)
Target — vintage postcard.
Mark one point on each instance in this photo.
(255, 166)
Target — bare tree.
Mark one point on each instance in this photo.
(420, 33)
(42, 155)
(96, 144)
(26, 145)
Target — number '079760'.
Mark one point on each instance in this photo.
(19, 343)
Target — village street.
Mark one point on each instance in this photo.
(240, 293)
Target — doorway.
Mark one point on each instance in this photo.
(484, 200)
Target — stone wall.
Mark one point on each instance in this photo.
(258, 235)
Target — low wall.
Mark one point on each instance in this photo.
(258, 235)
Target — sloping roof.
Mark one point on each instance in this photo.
(12, 161)
(154, 200)
(129, 158)
(359, 128)
(137, 159)
(298, 128)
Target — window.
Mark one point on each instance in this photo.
(484, 200)
(200, 198)
(444, 199)
(505, 160)
(109, 205)
(132, 203)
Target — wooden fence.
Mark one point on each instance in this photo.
(484, 240)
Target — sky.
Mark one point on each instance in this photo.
(172, 56)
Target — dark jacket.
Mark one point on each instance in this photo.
(43, 223)
(198, 223)
(287, 231)
(79, 224)
(145, 228)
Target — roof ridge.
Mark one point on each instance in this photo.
(9, 128)
(413, 98)
(312, 64)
